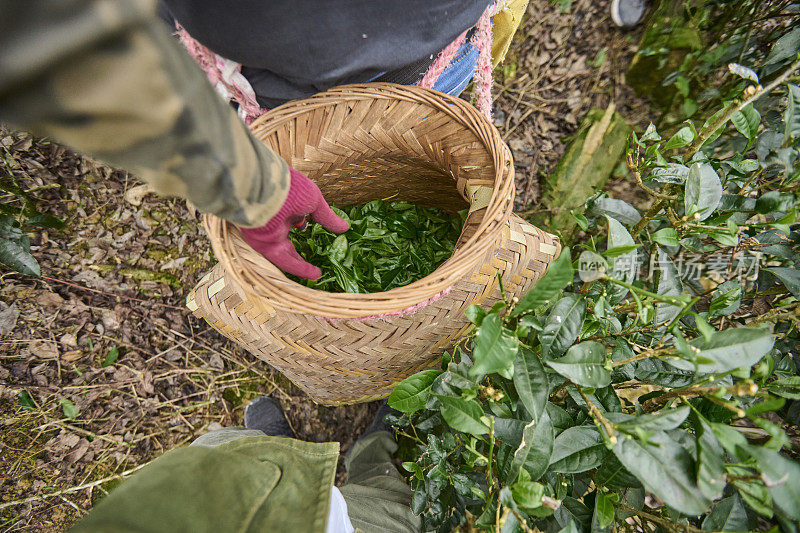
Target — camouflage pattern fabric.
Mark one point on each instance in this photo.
(106, 78)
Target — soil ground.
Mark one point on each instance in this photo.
(114, 282)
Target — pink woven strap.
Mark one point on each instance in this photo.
(225, 75)
(383, 316)
(483, 73)
(441, 62)
(482, 40)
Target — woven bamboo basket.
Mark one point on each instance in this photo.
(360, 143)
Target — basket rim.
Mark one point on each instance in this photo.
(255, 275)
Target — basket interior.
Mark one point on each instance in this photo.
(371, 178)
(363, 149)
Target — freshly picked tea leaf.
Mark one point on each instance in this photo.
(388, 245)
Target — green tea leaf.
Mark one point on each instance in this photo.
(625, 266)
(388, 245)
(15, 257)
(772, 201)
(533, 454)
(411, 394)
(528, 494)
(45, 220)
(790, 278)
(414, 468)
(782, 478)
(614, 476)
(786, 47)
(530, 380)
(768, 404)
(666, 237)
(9, 228)
(509, 430)
(664, 467)
(754, 493)
(111, 357)
(475, 314)
(728, 350)
(659, 372)
(584, 364)
(617, 209)
(617, 251)
(786, 387)
(577, 449)
(728, 514)
(69, 409)
(703, 190)
(710, 460)
(791, 117)
(747, 121)
(603, 510)
(669, 284)
(576, 511)
(338, 249)
(650, 134)
(25, 401)
(558, 276)
(495, 347)
(727, 299)
(743, 72)
(672, 173)
(463, 415)
(563, 325)
(682, 137)
(666, 420)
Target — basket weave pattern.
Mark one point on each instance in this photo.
(359, 143)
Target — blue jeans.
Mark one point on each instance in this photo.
(455, 78)
(459, 72)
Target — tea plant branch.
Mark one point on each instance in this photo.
(753, 95)
(523, 524)
(650, 214)
(412, 437)
(647, 328)
(490, 457)
(739, 389)
(738, 411)
(673, 218)
(644, 355)
(497, 521)
(659, 297)
(673, 526)
(634, 168)
(703, 137)
(681, 313)
(776, 315)
(598, 417)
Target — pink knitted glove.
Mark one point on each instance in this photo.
(272, 239)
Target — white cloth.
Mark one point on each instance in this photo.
(338, 521)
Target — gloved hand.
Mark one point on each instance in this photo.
(272, 239)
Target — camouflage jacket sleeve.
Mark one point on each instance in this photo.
(106, 78)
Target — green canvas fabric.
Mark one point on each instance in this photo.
(251, 484)
(378, 499)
